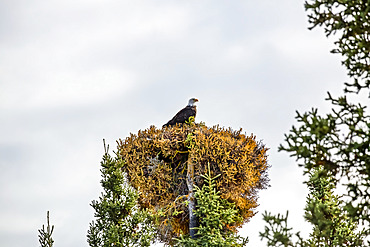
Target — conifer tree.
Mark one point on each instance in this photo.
(334, 149)
(45, 237)
(216, 216)
(349, 22)
(332, 226)
(119, 221)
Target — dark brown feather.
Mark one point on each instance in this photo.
(183, 115)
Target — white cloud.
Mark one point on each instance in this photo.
(57, 89)
(61, 55)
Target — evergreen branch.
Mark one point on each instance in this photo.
(45, 238)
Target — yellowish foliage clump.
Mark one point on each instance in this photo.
(156, 162)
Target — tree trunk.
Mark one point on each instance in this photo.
(190, 183)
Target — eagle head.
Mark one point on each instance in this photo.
(192, 101)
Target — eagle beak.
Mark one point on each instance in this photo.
(196, 100)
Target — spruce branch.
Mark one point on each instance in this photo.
(45, 238)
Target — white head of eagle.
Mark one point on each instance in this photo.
(183, 115)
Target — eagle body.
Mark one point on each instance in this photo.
(183, 115)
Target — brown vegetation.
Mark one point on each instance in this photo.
(156, 162)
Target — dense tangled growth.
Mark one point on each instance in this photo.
(156, 161)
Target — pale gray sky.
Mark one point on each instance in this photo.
(75, 72)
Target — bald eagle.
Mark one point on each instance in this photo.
(183, 115)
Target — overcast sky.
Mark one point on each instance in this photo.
(75, 72)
